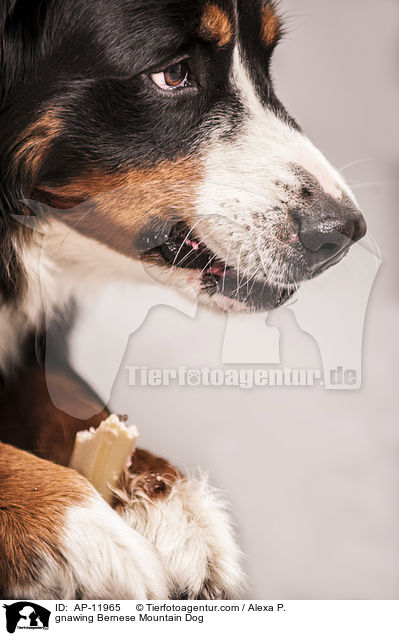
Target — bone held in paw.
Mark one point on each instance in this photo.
(102, 454)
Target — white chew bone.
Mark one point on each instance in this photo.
(101, 454)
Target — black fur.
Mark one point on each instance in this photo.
(89, 60)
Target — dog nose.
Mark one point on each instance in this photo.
(328, 232)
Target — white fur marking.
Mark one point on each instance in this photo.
(193, 534)
(107, 559)
(245, 180)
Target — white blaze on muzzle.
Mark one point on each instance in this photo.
(250, 180)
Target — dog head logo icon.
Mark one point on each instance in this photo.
(26, 615)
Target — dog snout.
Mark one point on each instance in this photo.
(327, 229)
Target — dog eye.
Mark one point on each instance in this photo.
(175, 76)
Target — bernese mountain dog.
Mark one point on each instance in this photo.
(137, 133)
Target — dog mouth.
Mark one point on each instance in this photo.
(183, 250)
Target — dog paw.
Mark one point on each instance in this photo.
(188, 524)
(96, 556)
(59, 539)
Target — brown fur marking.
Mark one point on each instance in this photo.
(148, 474)
(113, 209)
(216, 25)
(35, 141)
(30, 420)
(270, 26)
(34, 498)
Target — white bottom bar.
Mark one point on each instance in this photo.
(274, 618)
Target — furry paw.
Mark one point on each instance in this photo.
(188, 524)
(59, 539)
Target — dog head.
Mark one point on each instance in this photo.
(151, 127)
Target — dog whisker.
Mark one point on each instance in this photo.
(184, 240)
(238, 272)
(74, 225)
(246, 281)
(207, 265)
(354, 163)
(201, 242)
(225, 264)
(366, 184)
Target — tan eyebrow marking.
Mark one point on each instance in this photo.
(216, 25)
(270, 25)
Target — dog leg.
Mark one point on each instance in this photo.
(59, 539)
(182, 520)
(30, 420)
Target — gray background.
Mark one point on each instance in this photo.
(312, 476)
